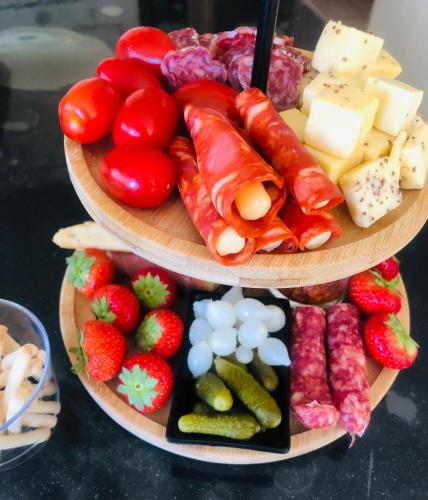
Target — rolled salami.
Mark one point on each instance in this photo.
(277, 239)
(311, 400)
(312, 190)
(226, 246)
(311, 230)
(348, 371)
(236, 176)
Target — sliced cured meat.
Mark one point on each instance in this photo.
(277, 239)
(240, 45)
(189, 64)
(228, 165)
(348, 371)
(311, 399)
(233, 75)
(298, 56)
(311, 230)
(213, 229)
(207, 40)
(186, 37)
(312, 190)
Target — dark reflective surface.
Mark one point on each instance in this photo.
(44, 47)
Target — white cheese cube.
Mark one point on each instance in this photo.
(340, 119)
(386, 66)
(335, 167)
(414, 124)
(321, 82)
(398, 103)
(346, 51)
(414, 158)
(304, 82)
(296, 120)
(372, 189)
(376, 144)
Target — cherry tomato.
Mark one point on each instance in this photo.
(148, 116)
(127, 76)
(140, 176)
(87, 111)
(147, 44)
(205, 93)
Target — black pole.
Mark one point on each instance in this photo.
(262, 53)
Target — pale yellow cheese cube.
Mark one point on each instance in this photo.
(414, 124)
(414, 158)
(304, 82)
(296, 120)
(372, 189)
(335, 167)
(347, 51)
(340, 120)
(386, 66)
(376, 144)
(398, 103)
(321, 82)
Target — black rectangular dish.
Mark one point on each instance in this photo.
(272, 440)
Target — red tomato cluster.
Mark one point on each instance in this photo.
(127, 98)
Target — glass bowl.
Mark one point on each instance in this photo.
(28, 429)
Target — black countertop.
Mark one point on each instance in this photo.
(90, 456)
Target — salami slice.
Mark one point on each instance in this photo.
(207, 40)
(186, 37)
(227, 164)
(311, 230)
(348, 371)
(312, 190)
(233, 75)
(199, 205)
(189, 64)
(311, 400)
(277, 239)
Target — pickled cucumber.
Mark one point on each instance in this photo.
(232, 359)
(264, 373)
(250, 392)
(212, 390)
(232, 426)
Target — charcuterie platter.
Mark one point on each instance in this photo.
(75, 310)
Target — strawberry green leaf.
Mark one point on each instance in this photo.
(102, 311)
(401, 334)
(151, 291)
(79, 265)
(82, 359)
(391, 285)
(138, 387)
(148, 333)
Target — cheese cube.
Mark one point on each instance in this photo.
(414, 124)
(340, 119)
(372, 189)
(304, 82)
(335, 167)
(296, 120)
(414, 158)
(346, 51)
(398, 103)
(376, 144)
(319, 83)
(386, 66)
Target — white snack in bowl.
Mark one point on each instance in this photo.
(200, 358)
(16, 402)
(220, 314)
(199, 330)
(223, 341)
(233, 295)
(250, 309)
(276, 320)
(274, 352)
(200, 308)
(244, 355)
(251, 334)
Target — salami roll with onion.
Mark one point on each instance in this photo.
(236, 176)
(226, 246)
(277, 239)
(311, 399)
(311, 230)
(312, 190)
(347, 367)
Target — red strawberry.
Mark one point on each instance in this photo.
(89, 269)
(154, 287)
(146, 380)
(161, 332)
(117, 305)
(388, 342)
(389, 268)
(101, 352)
(372, 294)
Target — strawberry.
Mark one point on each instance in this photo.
(89, 270)
(146, 380)
(101, 351)
(161, 332)
(372, 294)
(117, 305)
(154, 287)
(388, 342)
(389, 268)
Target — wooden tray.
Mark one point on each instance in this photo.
(167, 237)
(75, 310)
